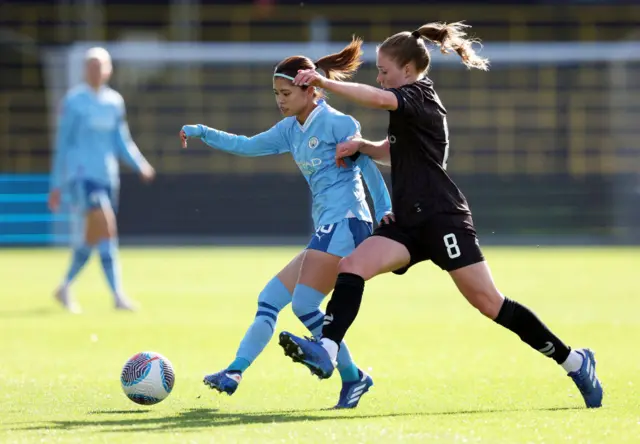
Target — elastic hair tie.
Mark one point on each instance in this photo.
(416, 34)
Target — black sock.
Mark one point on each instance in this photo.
(523, 322)
(343, 306)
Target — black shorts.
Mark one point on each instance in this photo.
(448, 240)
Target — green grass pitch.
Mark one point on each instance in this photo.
(442, 372)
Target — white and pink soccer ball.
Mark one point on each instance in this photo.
(147, 378)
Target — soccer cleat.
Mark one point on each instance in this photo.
(223, 381)
(352, 391)
(63, 296)
(309, 352)
(587, 381)
(125, 304)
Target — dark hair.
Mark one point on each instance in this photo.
(340, 66)
(406, 47)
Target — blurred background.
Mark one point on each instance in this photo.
(545, 145)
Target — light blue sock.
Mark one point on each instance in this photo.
(273, 298)
(79, 258)
(306, 306)
(108, 249)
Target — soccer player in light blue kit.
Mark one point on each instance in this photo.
(92, 135)
(309, 132)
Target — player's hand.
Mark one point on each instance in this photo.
(147, 173)
(183, 139)
(388, 219)
(54, 200)
(189, 131)
(347, 149)
(309, 77)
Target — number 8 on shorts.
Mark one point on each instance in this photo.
(450, 241)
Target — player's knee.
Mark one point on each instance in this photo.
(349, 265)
(486, 302)
(100, 226)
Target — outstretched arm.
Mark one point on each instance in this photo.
(272, 141)
(357, 92)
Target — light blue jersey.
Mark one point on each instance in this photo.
(337, 193)
(92, 136)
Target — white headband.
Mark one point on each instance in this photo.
(284, 76)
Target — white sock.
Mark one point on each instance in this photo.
(573, 362)
(331, 348)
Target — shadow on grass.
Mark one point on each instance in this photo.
(202, 418)
(29, 313)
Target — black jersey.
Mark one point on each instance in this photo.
(419, 141)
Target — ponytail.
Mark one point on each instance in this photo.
(344, 64)
(452, 37)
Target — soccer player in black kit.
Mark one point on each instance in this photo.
(432, 217)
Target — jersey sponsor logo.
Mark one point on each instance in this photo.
(313, 142)
(310, 166)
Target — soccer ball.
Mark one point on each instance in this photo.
(147, 378)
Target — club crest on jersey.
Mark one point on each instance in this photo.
(313, 142)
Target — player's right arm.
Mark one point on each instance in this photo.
(272, 141)
(63, 140)
(378, 151)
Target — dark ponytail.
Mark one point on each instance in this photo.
(344, 64)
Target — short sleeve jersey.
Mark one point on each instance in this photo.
(419, 141)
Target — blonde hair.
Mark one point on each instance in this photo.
(98, 53)
(405, 47)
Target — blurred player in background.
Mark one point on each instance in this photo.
(433, 219)
(310, 131)
(92, 136)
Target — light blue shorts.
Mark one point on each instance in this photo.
(85, 196)
(341, 238)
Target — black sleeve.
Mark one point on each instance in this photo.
(410, 100)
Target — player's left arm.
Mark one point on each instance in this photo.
(127, 149)
(377, 186)
(346, 128)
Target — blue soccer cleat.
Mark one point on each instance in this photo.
(309, 352)
(223, 381)
(352, 391)
(587, 381)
